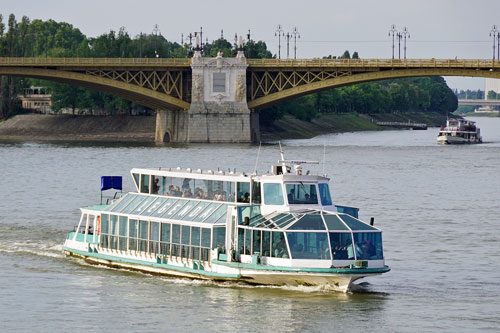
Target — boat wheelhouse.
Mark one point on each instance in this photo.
(459, 131)
(278, 229)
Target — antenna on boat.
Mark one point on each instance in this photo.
(283, 162)
(257, 160)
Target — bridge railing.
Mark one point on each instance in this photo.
(9, 61)
(393, 63)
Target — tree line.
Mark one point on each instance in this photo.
(49, 38)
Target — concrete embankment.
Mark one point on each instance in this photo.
(78, 128)
(142, 128)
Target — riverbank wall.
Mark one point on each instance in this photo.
(38, 127)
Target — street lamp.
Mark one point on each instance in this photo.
(295, 34)
(156, 31)
(493, 33)
(279, 32)
(405, 33)
(288, 36)
(392, 31)
(399, 35)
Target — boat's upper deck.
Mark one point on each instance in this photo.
(279, 190)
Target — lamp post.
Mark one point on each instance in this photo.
(399, 35)
(288, 36)
(279, 32)
(406, 33)
(156, 31)
(493, 33)
(295, 34)
(392, 32)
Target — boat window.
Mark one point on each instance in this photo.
(165, 232)
(273, 194)
(368, 245)
(334, 223)
(132, 234)
(205, 237)
(308, 245)
(241, 240)
(324, 194)
(257, 241)
(355, 224)
(206, 212)
(339, 242)
(143, 205)
(248, 241)
(194, 212)
(282, 220)
(186, 235)
(176, 233)
(144, 184)
(221, 211)
(154, 206)
(279, 249)
(195, 236)
(114, 225)
(134, 203)
(166, 206)
(309, 222)
(175, 208)
(220, 238)
(248, 211)
(301, 194)
(266, 243)
(154, 245)
(143, 236)
(122, 202)
(136, 179)
(256, 193)
(187, 207)
(243, 190)
(123, 232)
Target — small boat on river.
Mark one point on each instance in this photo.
(459, 131)
(279, 228)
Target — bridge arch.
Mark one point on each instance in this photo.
(147, 97)
(356, 78)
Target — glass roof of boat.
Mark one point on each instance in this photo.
(309, 220)
(170, 208)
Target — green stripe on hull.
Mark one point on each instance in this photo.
(118, 260)
(347, 271)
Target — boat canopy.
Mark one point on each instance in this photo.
(189, 210)
(307, 220)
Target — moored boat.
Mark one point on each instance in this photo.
(273, 229)
(459, 131)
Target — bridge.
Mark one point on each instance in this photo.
(218, 99)
(479, 102)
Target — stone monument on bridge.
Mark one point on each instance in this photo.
(219, 110)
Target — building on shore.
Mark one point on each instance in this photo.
(36, 99)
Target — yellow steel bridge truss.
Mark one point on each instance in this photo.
(166, 83)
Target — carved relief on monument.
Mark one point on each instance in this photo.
(197, 90)
(240, 89)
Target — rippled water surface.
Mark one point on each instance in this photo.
(438, 206)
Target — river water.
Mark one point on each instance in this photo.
(438, 207)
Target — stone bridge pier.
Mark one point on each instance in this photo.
(219, 112)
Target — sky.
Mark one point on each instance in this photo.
(438, 28)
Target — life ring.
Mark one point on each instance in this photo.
(98, 225)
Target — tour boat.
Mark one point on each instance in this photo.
(459, 131)
(279, 228)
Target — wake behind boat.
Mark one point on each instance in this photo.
(459, 131)
(272, 229)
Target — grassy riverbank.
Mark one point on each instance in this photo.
(141, 128)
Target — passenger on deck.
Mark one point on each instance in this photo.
(89, 230)
(155, 188)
